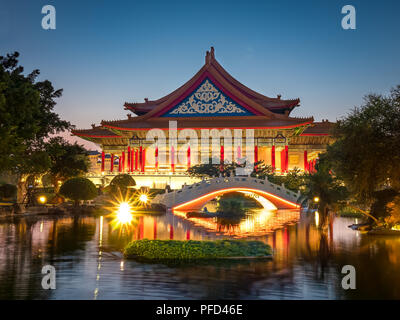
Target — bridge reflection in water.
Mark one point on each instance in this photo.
(256, 223)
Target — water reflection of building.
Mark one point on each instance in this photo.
(84, 251)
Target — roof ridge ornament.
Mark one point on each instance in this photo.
(210, 55)
(207, 57)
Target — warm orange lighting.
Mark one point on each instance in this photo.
(143, 198)
(218, 192)
(124, 215)
(122, 210)
(259, 223)
(316, 199)
(316, 218)
(42, 199)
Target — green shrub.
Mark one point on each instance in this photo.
(8, 191)
(78, 189)
(230, 206)
(153, 250)
(121, 182)
(47, 180)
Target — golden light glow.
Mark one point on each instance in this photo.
(316, 199)
(124, 213)
(267, 205)
(122, 210)
(143, 198)
(42, 199)
(316, 218)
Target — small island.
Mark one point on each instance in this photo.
(168, 250)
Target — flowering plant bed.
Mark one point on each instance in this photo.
(161, 250)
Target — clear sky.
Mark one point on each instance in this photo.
(103, 53)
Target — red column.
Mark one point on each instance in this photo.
(123, 161)
(171, 232)
(120, 163)
(102, 161)
(287, 158)
(273, 158)
(283, 165)
(143, 159)
(172, 156)
(188, 157)
(305, 161)
(156, 158)
(136, 159)
(112, 163)
(132, 158)
(140, 158)
(255, 157)
(188, 234)
(221, 159)
(129, 159)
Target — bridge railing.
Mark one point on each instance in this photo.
(208, 185)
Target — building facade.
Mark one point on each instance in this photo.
(157, 143)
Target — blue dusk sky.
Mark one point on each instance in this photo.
(103, 53)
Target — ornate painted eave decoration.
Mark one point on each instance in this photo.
(207, 100)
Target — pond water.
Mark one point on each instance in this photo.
(86, 252)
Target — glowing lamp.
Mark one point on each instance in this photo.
(316, 199)
(143, 198)
(124, 214)
(42, 199)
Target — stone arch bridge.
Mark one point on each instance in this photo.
(195, 196)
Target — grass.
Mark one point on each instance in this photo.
(162, 250)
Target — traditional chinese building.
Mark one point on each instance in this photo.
(211, 99)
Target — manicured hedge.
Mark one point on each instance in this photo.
(78, 189)
(153, 250)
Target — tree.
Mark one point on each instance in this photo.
(366, 154)
(78, 189)
(325, 187)
(8, 191)
(261, 170)
(121, 183)
(26, 119)
(205, 170)
(215, 169)
(66, 160)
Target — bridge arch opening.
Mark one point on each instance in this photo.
(268, 200)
